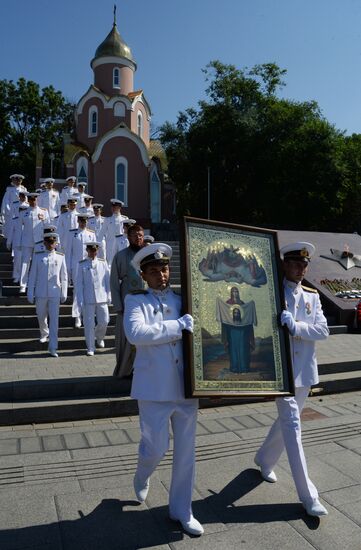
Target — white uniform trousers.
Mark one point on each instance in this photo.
(48, 308)
(154, 417)
(92, 331)
(286, 433)
(26, 255)
(17, 263)
(76, 310)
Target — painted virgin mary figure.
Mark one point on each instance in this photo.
(237, 320)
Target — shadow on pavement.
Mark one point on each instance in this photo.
(110, 526)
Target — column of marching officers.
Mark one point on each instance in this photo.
(58, 240)
(153, 322)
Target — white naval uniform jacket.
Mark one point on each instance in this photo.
(33, 220)
(96, 223)
(150, 323)
(50, 200)
(67, 192)
(113, 225)
(93, 282)
(15, 226)
(77, 247)
(11, 194)
(66, 221)
(48, 276)
(311, 325)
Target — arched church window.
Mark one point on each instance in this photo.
(116, 77)
(93, 121)
(121, 179)
(119, 109)
(155, 211)
(82, 169)
(140, 124)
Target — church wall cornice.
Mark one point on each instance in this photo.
(124, 132)
(114, 60)
(108, 102)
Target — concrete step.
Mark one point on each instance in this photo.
(339, 382)
(6, 277)
(5, 257)
(336, 368)
(40, 411)
(31, 321)
(21, 300)
(30, 333)
(338, 329)
(54, 410)
(13, 289)
(74, 342)
(66, 388)
(27, 310)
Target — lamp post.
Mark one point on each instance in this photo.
(209, 192)
(52, 157)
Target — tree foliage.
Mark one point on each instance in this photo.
(30, 115)
(273, 162)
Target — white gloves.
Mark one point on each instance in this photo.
(186, 322)
(288, 320)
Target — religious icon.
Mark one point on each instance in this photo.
(232, 287)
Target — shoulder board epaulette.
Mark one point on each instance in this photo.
(60, 253)
(15, 218)
(66, 187)
(39, 242)
(101, 259)
(91, 218)
(91, 230)
(75, 229)
(85, 260)
(40, 252)
(308, 289)
(41, 208)
(15, 202)
(134, 292)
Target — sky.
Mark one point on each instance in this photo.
(317, 41)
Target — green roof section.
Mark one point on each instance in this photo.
(155, 149)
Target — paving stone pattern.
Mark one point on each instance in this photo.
(68, 486)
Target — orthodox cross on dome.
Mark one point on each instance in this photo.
(115, 15)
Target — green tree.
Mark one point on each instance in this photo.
(30, 115)
(273, 162)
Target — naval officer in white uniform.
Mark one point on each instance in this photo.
(306, 324)
(111, 228)
(93, 296)
(32, 220)
(11, 195)
(48, 286)
(77, 252)
(154, 324)
(69, 190)
(50, 199)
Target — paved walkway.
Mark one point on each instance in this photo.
(35, 365)
(68, 486)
